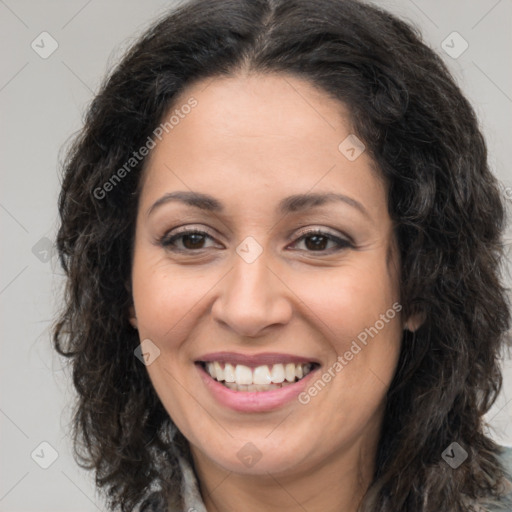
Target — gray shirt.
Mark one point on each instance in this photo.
(193, 502)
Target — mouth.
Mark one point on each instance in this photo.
(267, 377)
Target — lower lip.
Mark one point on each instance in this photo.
(254, 401)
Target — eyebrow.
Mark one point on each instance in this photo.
(291, 204)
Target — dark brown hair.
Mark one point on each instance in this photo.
(445, 203)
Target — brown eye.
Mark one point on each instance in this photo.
(191, 240)
(317, 241)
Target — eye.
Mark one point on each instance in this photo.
(316, 240)
(193, 240)
(185, 241)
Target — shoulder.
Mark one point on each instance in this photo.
(506, 461)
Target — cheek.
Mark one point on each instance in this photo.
(165, 300)
(357, 310)
(347, 300)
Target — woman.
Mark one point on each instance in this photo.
(282, 243)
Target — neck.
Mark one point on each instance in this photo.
(337, 483)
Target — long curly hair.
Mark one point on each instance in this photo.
(445, 203)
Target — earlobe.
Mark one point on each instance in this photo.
(133, 318)
(415, 321)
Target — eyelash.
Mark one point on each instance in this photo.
(168, 242)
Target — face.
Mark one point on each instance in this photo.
(276, 259)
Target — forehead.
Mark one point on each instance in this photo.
(270, 133)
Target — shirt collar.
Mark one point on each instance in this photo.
(192, 500)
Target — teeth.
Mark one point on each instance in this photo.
(254, 387)
(277, 373)
(229, 373)
(261, 375)
(219, 372)
(243, 375)
(261, 378)
(289, 372)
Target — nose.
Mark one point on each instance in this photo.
(252, 298)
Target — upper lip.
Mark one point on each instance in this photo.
(253, 360)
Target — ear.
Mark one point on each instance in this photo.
(133, 318)
(415, 321)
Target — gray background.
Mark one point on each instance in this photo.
(42, 102)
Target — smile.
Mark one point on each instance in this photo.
(239, 377)
(255, 383)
